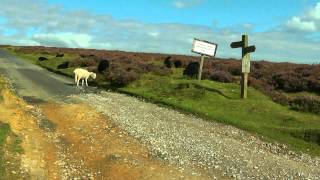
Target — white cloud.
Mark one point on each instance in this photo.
(315, 12)
(308, 22)
(298, 24)
(153, 34)
(63, 39)
(186, 3)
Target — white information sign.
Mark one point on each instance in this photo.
(204, 47)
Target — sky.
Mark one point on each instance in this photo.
(281, 30)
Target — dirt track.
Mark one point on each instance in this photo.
(63, 140)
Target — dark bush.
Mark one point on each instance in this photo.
(279, 97)
(314, 85)
(167, 62)
(103, 65)
(162, 71)
(83, 62)
(221, 76)
(306, 104)
(236, 71)
(92, 69)
(192, 69)
(42, 58)
(177, 64)
(153, 68)
(59, 55)
(63, 65)
(121, 77)
(290, 82)
(206, 74)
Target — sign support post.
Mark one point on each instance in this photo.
(245, 63)
(244, 74)
(200, 68)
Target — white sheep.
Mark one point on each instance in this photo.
(84, 75)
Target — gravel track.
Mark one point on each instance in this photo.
(188, 141)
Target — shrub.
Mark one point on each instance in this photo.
(103, 65)
(177, 64)
(221, 76)
(42, 58)
(192, 69)
(279, 97)
(167, 62)
(83, 62)
(290, 82)
(59, 55)
(63, 65)
(92, 69)
(306, 104)
(206, 74)
(121, 77)
(236, 71)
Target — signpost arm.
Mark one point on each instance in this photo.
(200, 68)
(244, 75)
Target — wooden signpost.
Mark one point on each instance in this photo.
(204, 48)
(245, 64)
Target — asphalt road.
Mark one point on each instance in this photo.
(34, 83)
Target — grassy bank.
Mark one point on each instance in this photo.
(220, 102)
(9, 142)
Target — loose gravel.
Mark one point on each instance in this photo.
(189, 141)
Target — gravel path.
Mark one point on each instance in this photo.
(190, 141)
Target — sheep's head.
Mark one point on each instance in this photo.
(93, 75)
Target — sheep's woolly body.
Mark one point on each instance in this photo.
(84, 75)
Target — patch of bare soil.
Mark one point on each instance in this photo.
(95, 148)
(63, 141)
(37, 160)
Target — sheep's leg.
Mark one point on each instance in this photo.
(87, 81)
(82, 82)
(78, 79)
(75, 78)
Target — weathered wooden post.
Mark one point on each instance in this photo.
(245, 63)
(204, 48)
(200, 68)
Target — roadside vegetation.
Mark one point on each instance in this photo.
(283, 103)
(10, 146)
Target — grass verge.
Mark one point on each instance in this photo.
(10, 143)
(220, 102)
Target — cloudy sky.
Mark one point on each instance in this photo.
(282, 30)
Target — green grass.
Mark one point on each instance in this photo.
(13, 146)
(50, 64)
(221, 102)
(9, 142)
(4, 133)
(2, 86)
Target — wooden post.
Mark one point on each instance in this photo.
(200, 68)
(245, 63)
(244, 74)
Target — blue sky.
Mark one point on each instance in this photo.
(283, 30)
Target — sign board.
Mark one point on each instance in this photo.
(204, 47)
(236, 44)
(249, 49)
